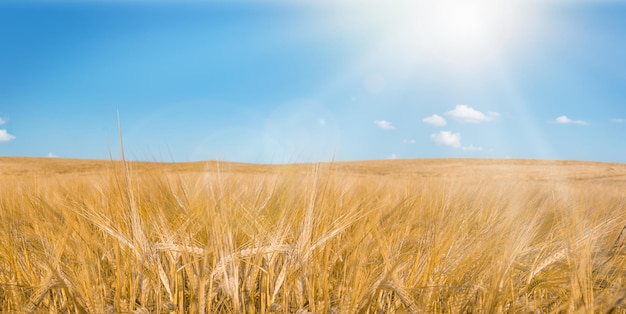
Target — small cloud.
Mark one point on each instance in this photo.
(617, 120)
(472, 148)
(411, 141)
(435, 120)
(464, 113)
(566, 120)
(2, 121)
(385, 125)
(447, 138)
(5, 137)
(563, 119)
(51, 155)
(393, 156)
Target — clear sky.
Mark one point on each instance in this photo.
(273, 81)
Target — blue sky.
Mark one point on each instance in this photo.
(275, 82)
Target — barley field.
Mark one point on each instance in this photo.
(396, 236)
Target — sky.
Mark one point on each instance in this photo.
(303, 81)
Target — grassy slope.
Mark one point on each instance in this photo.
(394, 236)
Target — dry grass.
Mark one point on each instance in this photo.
(441, 236)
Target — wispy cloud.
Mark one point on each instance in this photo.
(5, 136)
(566, 120)
(465, 113)
(617, 120)
(385, 125)
(393, 156)
(51, 155)
(2, 121)
(411, 141)
(435, 120)
(447, 138)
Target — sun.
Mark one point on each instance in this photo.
(463, 30)
(454, 32)
(460, 32)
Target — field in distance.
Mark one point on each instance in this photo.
(521, 169)
(393, 236)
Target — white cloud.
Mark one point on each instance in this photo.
(2, 121)
(5, 136)
(472, 148)
(51, 155)
(411, 141)
(618, 120)
(393, 156)
(435, 120)
(447, 138)
(563, 119)
(385, 125)
(566, 120)
(468, 114)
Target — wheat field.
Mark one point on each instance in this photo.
(398, 236)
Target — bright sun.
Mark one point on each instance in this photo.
(454, 32)
(462, 29)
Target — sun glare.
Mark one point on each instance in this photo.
(453, 32)
(463, 30)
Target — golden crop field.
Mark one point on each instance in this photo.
(396, 236)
